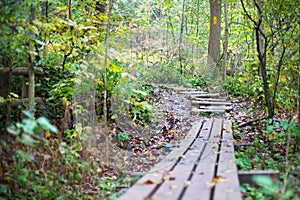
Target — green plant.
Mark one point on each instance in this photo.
(123, 136)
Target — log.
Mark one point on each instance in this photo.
(17, 102)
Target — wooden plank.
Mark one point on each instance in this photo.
(172, 189)
(211, 99)
(211, 95)
(211, 103)
(228, 186)
(200, 183)
(192, 92)
(182, 89)
(141, 189)
(197, 110)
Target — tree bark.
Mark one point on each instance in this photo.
(225, 42)
(31, 90)
(214, 33)
(180, 38)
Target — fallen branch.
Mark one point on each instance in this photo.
(251, 122)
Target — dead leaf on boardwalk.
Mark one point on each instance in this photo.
(169, 178)
(148, 198)
(182, 156)
(150, 182)
(229, 190)
(187, 183)
(172, 187)
(217, 179)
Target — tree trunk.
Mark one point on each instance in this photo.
(31, 90)
(214, 33)
(260, 35)
(105, 110)
(180, 38)
(225, 42)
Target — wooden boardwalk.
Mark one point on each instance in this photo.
(201, 168)
(204, 101)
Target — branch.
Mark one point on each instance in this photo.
(248, 15)
(260, 19)
(65, 58)
(251, 122)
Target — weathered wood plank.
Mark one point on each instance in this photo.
(211, 95)
(211, 103)
(182, 89)
(211, 99)
(172, 189)
(228, 187)
(141, 189)
(199, 187)
(197, 110)
(192, 92)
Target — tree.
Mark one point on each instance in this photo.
(215, 32)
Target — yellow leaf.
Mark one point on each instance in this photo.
(14, 95)
(47, 134)
(67, 48)
(100, 83)
(273, 136)
(114, 68)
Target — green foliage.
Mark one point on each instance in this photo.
(123, 136)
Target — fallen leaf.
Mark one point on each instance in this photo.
(187, 183)
(172, 187)
(217, 179)
(149, 182)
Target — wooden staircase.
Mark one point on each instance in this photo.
(205, 102)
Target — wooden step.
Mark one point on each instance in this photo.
(211, 103)
(209, 95)
(211, 99)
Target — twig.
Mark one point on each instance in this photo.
(251, 122)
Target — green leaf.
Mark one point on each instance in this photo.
(284, 125)
(29, 126)
(45, 124)
(267, 183)
(27, 140)
(28, 114)
(25, 155)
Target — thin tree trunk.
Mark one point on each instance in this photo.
(260, 34)
(105, 114)
(225, 42)
(31, 90)
(262, 55)
(180, 37)
(105, 63)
